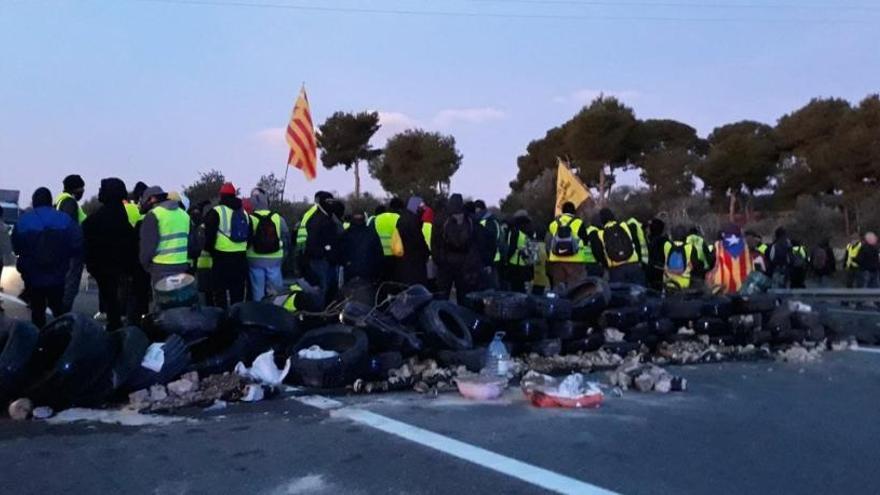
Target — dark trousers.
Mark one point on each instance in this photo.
(109, 297)
(43, 297)
(630, 273)
(229, 278)
(465, 281)
(322, 274)
(516, 277)
(138, 300)
(71, 283)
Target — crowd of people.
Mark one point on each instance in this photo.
(236, 248)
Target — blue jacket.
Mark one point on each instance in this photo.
(45, 240)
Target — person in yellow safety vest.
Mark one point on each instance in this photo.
(269, 241)
(567, 249)
(299, 296)
(850, 265)
(227, 231)
(164, 236)
(203, 263)
(638, 232)
(385, 225)
(758, 251)
(320, 256)
(618, 249)
(520, 266)
(68, 202)
(679, 257)
(495, 231)
(798, 265)
(427, 232)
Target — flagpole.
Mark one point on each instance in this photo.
(284, 185)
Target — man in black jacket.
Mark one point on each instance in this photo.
(111, 249)
(322, 244)
(868, 261)
(412, 267)
(455, 246)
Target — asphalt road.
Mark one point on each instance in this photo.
(741, 428)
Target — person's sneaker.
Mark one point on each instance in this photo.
(99, 316)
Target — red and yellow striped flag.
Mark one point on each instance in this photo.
(301, 138)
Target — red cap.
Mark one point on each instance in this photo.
(227, 188)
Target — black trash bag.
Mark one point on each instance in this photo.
(472, 359)
(568, 329)
(622, 318)
(778, 321)
(589, 298)
(623, 294)
(382, 363)
(244, 347)
(446, 326)
(713, 327)
(660, 327)
(810, 323)
(481, 327)
(544, 348)
(589, 343)
(279, 328)
(682, 309)
(351, 362)
(552, 307)
(529, 330)
(717, 307)
(18, 340)
(755, 303)
(508, 306)
(73, 352)
(177, 360)
(192, 323)
(408, 303)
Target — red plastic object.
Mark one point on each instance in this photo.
(540, 399)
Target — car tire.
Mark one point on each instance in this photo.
(446, 326)
(472, 359)
(568, 330)
(508, 306)
(623, 294)
(756, 303)
(382, 363)
(407, 304)
(622, 318)
(177, 360)
(713, 327)
(717, 307)
(552, 308)
(680, 309)
(191, 323)
(528, 330)
(351, 362)
(590, 343)
(18, 340)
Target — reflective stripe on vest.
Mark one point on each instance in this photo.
(585, 252)
(223, 243)
(288, 300)
(640, 235)
(276, 219)
(427, 229)
(173, 236)
(204, 262)
(80, 214)
(483, 222)
(762, 248)
(613, 264)
(516, 259)
(133, 213)
(852, 250)
(302, 234)
(680, 280)
(385, 225)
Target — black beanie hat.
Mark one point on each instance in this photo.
(41, 197)
(73, 182)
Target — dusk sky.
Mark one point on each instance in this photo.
(159, 90)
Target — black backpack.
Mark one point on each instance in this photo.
(618, 244)
(564, 242)
(458, 232)
(265, 240)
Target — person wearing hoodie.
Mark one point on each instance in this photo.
(822, 262)
(68, 202)
(495, 243)
(45, 241)
(227, 232)
(164, 236)
(656, 240)
(360, 255)
(412, 267)
(520, 266)
(321, 246)
(868, 261)
(110, 248)
(456, 250)
(269, 244)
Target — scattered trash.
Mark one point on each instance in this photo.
(316, 352)
(613, 335)
(124, 417)
(20, 409)
(181, 387)
(226, 386)
(645, 378)
(154, 358)
(481, 387)
(848, 344)
(42, 412)
(571, 392)
(252, 393)
(218, 405)
(800, 354)
(264, 371)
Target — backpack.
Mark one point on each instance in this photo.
(458, 232)
(239, 227)
(798, 261)
(780, 254)
(265, 240)
(618, 244)
(819, 259)
(564, 242)
(676, 262)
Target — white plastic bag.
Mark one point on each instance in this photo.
(263, 370)
(154, 358)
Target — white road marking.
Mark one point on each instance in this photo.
(534, 475)
(872, 350)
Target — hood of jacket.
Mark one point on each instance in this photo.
(455, 206)
(112, 191)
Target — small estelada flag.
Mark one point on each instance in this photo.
(569, 187)
(301, 138)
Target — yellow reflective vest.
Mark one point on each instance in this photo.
(80, 214)
(133, 213)
(427, 229)
(173, 236)
(385, 225)
(639, 231)
(224, 244)
(276, 219)
(626, 228)
(679, 280)
(516, 258)
(852, 250)
(301, 233)
(585, 252)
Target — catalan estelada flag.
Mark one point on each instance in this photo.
(301, 138)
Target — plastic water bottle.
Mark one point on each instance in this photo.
(497, 357)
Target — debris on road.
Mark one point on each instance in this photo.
(20, 409)
(800, 354)
(645, 378)
(573, 391)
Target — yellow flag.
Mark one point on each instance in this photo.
(569, 188)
